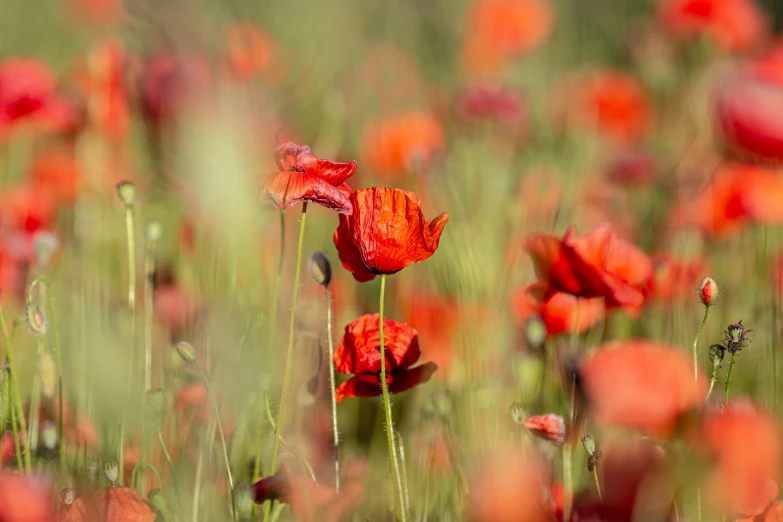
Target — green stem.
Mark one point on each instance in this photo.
(332, 389)
(568, 481)
(289, 352)
(131, 251)
(17, 394)
(168, 458)
(141, 465)
(597, 482)
(713, 380)
(58, 353)
(222, 438)
(728, 381)
(401, 515)
(272, 326)
(5, 368)
(696, 343)
(305, 463)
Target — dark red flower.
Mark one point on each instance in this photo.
(26, 86)
(497, 104)
(306, 177)
(168, 82)
(359, 354)
(598, 264)
(385, 233)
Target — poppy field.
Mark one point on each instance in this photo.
(409, 261)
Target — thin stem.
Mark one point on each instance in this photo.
(289, 352)
(568, 481)
(141, 465)
(149, 274)
(713, 380)
(403, 472)
(197, 486)
(696, 343)
(272, 327)
(131, 237)
(597, 482)
(332, 389)
(401, 515)
(17, 394)
(5, 368)
(58, 353)
(728, 380)
(222, 438)
(35, 399)
(298, 455)
(168, 458)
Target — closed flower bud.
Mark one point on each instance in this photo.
(157, 500)
(126, 190)
(35, 320)
(589, 444)
(708, 291)
(517, 413)
(716, 354)
(67, 496)
(321, 268)
(186, 351)
(153, 230)
(112, 470)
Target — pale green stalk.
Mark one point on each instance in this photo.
(17, 394)
(332, 383)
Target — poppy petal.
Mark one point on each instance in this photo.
(359, 349)
(286, 189)
(286, 155)
(551, 265)
(335, 172)
(369, 384)
(347, 251)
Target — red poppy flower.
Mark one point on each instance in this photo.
(640, 384)
(773, 513)
(598, 264)
(385, 233)
(394, 145)
(550, 427)
(734, 25)
(306, 177)
(250, 51)
(168, 82)
(25, 88)
(56, 169)
(25, 499)
(114, 504)
(359, 353)
(558, 310)
(632, 167)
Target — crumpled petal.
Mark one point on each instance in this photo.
(359, 349)
(347, 251)
(369, 384)
(335, 172)
(287, 153)
(286, 189)
(112, 505)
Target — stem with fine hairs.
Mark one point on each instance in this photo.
(335, 431)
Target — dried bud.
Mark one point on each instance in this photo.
(112, 470)
(186, 351)
(153, 230)
(517, 413)
(708, 291)
(48, 373)
(592, 460)
(126, 190)
(49, 435)
(716, 354)
(35, 320)
(321, 268)
(589, 444)
(535, 331)
(158, 500)
(45, 245)
(67, 496)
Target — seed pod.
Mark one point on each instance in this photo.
(67, 495)
(321, 268)
(589, 444)
(186, 351)
(35, 319)
(517, 413)
(126, 190)
(112, 470)
(716, 354)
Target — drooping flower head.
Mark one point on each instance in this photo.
(386, 233)
(359, 353)
(306, 177)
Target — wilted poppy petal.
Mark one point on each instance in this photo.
(286, 155)
(286, 189)
(334, 172)
(348, 252)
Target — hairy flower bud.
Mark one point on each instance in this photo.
(126, 190)
(186, 351)
(35, 319)
(320, 268)
(589, 444)
(708, 291)
(157, 500)
(716, 354)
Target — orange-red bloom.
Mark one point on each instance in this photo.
(614, 104)
(112, 504)
(550, 427)
(250, 51)
(598, 264)
(306, 177)
(640, 384)
(25, 499)
(558, 310)
(359, 353)
(26, 86)
(385, 233)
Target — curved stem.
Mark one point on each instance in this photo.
(272, 326)
(335, 431)
(222, 437)
(696, 343)
(144, 464)
(17, 394)
(728, 381)
(713, 380)
(401, 515)
(42, 280)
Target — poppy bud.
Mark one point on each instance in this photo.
(49, 435)
(153, 230)
(535, 331)
(157, 500)
(589, 444)
(321, 268)
(112, 470)
(45, 244)
(186, 351)
(716, 354)
(126, 190)
(35, 319)
(517, 413)
(708, 291)
(67, 496)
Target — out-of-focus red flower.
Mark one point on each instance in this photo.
(498, 30)
(437, 319)
(773, 513)
(734, 25)
(611, 102)
(598, 264)
(26, 86)
(496, 104)
(639, 384)
(745, 443)
(737, 194)
(401, 142)
(675, 279)
(250, 51)
(96, 11)
(113, 505)
(359, 353)
(28, 208)
(25, 499)
(168, 82)
(55, 169)
(558, 310)
(632, 167)
(310, 500)
(386, 233)
(550, 427)
(497, 487)
(306, 177)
